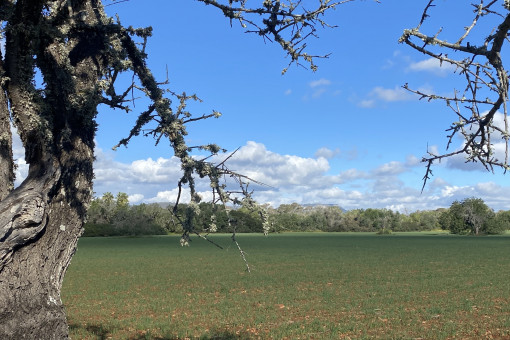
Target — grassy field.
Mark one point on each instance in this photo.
(302, 286)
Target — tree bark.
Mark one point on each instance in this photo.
(41, 221)
(45, 225)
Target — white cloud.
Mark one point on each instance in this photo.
(297, 179)
(318, 89)
(392, 95)
(490, 188)
(367, 103)
(412, 160)
(18, 153)
(135, 198)
(436, 183)
(141, 178)
(433, 150)
(161, 170)
(318, 93)
(288, 92)
(169, 196)
(18, 150)
(273, 169)
(352, 175)
(391, 168)
(456, 191)
(459, 162)
(21, 171)
(381, 94)
(326, 153)
(432, 65)
(320, 82)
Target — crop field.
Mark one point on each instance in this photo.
(302, 286)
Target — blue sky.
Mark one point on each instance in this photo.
(347, 134)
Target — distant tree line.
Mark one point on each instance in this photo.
(113, 216)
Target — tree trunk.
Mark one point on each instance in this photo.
(30, 304)
(45, 215)
(41, 221)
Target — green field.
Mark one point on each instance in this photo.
(302, 286)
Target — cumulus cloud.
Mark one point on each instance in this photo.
(274, 169)
(160, 170)
(304, 180)
(294, 179)
(140, 179)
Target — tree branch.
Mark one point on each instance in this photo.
(487, 79)
(277, 21)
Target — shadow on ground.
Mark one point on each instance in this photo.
(103, 333)
(99, 331)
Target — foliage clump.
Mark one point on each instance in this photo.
(384, 231)
(472, 216)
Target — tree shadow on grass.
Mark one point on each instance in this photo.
(103, 333)
(98, 330)
(216, 335)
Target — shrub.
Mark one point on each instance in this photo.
(99, 229)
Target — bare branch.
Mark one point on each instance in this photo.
(278, 21)
(485, 92)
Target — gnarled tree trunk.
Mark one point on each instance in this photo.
(41, 220)
(45, 226)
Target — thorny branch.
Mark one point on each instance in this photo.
(228, 199)
(485, 92)
(278, 21)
